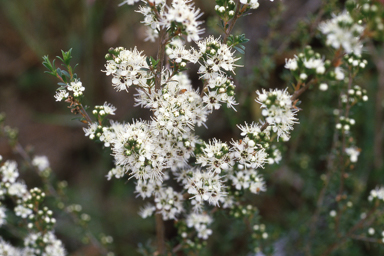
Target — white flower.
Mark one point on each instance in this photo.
(17, 189)
(253, 4)
(205, 186)
(215, 157)
(317, 64)
(54, 247)
(2, 218)
(117, 172)
(343, 31)
(353, 153)
(211, 100)
(217, 58)
(22, 211)
(127, 69)
(291, 63)
(169, 203)
(278, 110)
(109, 109)
(179, 53)
(40, 162)
(184, 13)
(61, 95)
(76, 87)
(8, 249)
(323, 87)
(9, 171)
(377, 193)
(200, 221)
(147, 211)
(247, 153)
(91, 130)
(339, 73)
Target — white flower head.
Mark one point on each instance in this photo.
(109, 109)
(291, 64)
(61, 95)
(9, 171)
(2, 216)
(353, 153)
(147, 211)
(40, 162)
(342, 31)
(76, 87)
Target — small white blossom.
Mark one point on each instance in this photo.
(61, 95)
(377, 193)
(253, 4)
(323, 87)
(2, 217)
(22, 211)
(147, 211)
(127, 69)
(91, 130)
(353, 152)
(291, 63)
(9, 171)
(169, 203)
(76, 87)
(109, 109)
(40, 162)
(17, 189)
(200, 221)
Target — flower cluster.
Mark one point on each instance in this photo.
(204, 186)
(278, 110)
(126, 67)
(181, 17)
(343, 31)
(377, 193)
(29, 206)
(200, 222)
(353, 153)
(244, 178)
(169, 203)
(307, 64)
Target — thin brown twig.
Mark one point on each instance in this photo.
(160, 234)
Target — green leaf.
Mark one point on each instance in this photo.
(239, 50)
(60, 59)
(51, 73)
(67, 56)
(66, 73)
(61, 87)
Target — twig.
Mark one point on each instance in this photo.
(160, 234)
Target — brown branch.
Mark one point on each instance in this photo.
(237, 15)
(160, 234)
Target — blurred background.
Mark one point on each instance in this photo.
(277, 30)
